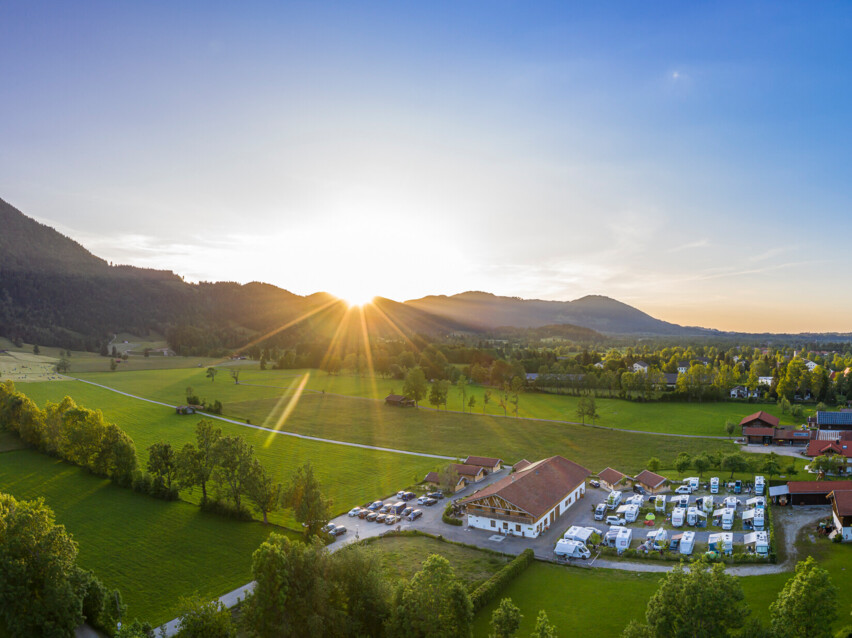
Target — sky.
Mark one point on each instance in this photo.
(690, 159)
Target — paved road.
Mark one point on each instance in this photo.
(281, 432)
(780, 450)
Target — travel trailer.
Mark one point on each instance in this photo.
(657, 538)
(580, 534)
(695, 516)
(623, 539)
(678, 516)
(760, 540)
(613, 500)
(714, 485)
(692, 481)
(722, 543)
(571, 549)
(635, 499)
(728, 518)
(687, 543)
(759, 485)
(731, 501)
(757, 501)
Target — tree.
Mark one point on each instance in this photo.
(200, 618)
(135, 629)
(543, 628)
(303, 494)
(730, 426)
(807, 605)
(63, 366)
(415, 385)
(682, 462)
(235, 375)
(359, 577)
(262, 492)
(735, 462)
(433, 604)
(40, 594)
(195, 463)
(162, 462)
(581, 410)
(36, 349)
(653, 464)
(112, 365)
(704, 602)
(771, 465)
(505, 620)
(471, 403)
(461, 386)
(591, 409)
(438, 394)
(701, 463)
(486, 398)
(234, 458)
(211, 374)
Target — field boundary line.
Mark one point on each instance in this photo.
(306, 437)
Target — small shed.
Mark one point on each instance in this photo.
(653, 483)
(399, 401)
(610, 478)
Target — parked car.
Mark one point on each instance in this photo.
(401, 494)
(364, 513)
(380, 518)
(639, 489)
(407, 511)
(371, 517)
(422, 499)
(415, 515)
(594, 483)
(340, 530)
(375, 505)
(327, 528)
(408, 496)
(354, 511)
(430, 501)
(437, 495)
(615, 520)
(684, 489)
(386, 508)
(391, 519)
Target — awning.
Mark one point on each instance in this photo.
(779, 490)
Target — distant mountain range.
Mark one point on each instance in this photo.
(55, 292)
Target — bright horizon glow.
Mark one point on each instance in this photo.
(687, 159)
(357, 299)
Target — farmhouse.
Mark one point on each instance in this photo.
(458, 482)
(682, 367)
(528, 502)
(842, 449)
(761, 420)
(641, 366)
(610, 478)
(399, 401)
(814, 492)
(841, 509)
(653, 483)
(487, 463)
(739, 392)
(473, 473)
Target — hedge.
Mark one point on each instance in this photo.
(491, 588)
(449, 520)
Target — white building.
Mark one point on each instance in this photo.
(641, 366)
(528, 502)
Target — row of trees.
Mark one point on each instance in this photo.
(43, 592)
(769, 464)
(707, 602)
(68, 431)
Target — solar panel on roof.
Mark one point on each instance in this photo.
(834, 418)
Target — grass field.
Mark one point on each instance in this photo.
(706, 419)
(351, 476)
(601, 602)
(151, 550)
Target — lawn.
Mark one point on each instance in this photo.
(351, 476)
(706, 419)
(154, 552)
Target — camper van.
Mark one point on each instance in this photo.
(722, 543)
(680, 501)
(635, 499)
(613, 500)
(687, 543)
(728, 518)
(678, 516)
(759, 485)
(571, 549)
(757, 501)
(660, 503)
(580, 534)
(600, 511)
(760, 540)
(695, 516)
(714, 485)
(631, 513)
(611, 534)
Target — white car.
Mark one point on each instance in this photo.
(683, 489)
(615, 520)
(354, 511)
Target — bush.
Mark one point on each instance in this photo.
(226, 509)
(448, 518)
(491, 588)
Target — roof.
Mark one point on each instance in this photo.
(641, 364)
(466, 470)
(818, 487)
(520, 465)
(834, 418)
(647, 477)
(539, 487)
(611, 476)
(842, 502)
(671, 377)
(432, 477)
(758, 431)
(778, 490)
(763, 416)
(818, 448)
(396, 397)
(792, 433)
(484, 461)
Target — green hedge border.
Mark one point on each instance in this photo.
(491, 588)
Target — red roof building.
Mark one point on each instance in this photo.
(653, 483)
(814, 492)
(610, 478)
(760, 419)
(841, 509)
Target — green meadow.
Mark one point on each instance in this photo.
(153, 551)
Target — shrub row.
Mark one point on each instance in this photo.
(491, 588)
(447, 517)
(773, 549)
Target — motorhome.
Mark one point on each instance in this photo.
(707, 504)
(757, 501)
(687, 543)
(632, 513)
(580, 534)
(728, 518)
(571, 549)
(738, 487)
(611, 534)
(678, 516)
(692, 481)
(760, 540)
(748, 519)
(613, 500)
(759, 485)
(759, 519)
(722, 542)
(695, 516)
(714, 485)
(635, 499)
(660, 503)
(680, 501)
(600, 511)
(623, 539)
(731, 501)
(657, 539)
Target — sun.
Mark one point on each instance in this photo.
(357, 298)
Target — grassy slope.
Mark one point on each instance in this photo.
(153, 551)
(351, 475)
(680, 418)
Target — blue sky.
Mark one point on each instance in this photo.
(688, 158)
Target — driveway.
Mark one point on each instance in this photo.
(780, 450)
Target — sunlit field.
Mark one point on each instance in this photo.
(153, 551)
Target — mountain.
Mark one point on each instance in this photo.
(603, 314)
(55, 292)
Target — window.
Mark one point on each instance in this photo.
(493, 524)
(570, 498)
(505, 525)
(517, 528)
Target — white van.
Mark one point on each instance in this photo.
(678, 515)
(687, 543)
(571, 549)
(759, 485)
(600, 511)
(714, 485)
(613, 500)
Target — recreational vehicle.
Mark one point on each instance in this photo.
(731, 501)
(759, 519)
(707, 504)
(728, 518)
(692, 481)
(657, 539)
(580, 534)
(759, 485)
(571, 549)
(623, 539)
(760, 540)
(678, 515)
(695, 516)
(613, 500)
(722, 543)
(757, 501)
(714, 485)
(660, 503)
(687, 543)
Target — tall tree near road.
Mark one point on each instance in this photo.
(234, 459)
(263, 493)
(505, 620)
(162, 462)
(195, 463)
(303, 494)
(807, 605)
